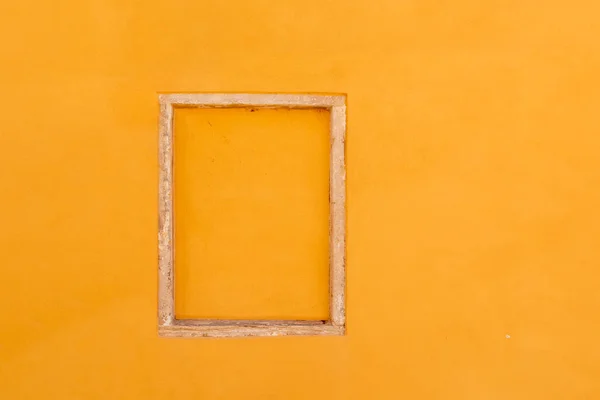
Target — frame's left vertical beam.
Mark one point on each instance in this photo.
(166, 299)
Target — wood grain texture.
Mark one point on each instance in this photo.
(206, 100)
(166, 292)
(282, 328)
(168, 325)
(337, 228)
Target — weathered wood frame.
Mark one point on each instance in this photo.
(168, 325)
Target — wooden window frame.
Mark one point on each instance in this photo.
(168, 325)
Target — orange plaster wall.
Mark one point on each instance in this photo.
(251, 206)
(473, 192)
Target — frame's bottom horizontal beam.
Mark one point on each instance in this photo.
(247, 328)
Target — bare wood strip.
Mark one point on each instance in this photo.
(166, 312)
(337, 234)
(250, 330)
(248, 99)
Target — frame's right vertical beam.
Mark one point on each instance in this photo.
(337, 219)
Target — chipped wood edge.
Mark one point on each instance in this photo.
(337, 212)
(250, 329)
(168, 326)
(209, 100)
(166, 290)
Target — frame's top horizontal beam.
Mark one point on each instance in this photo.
(247, 99)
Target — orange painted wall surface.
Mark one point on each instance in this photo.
(251, 206)
(473, 192)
